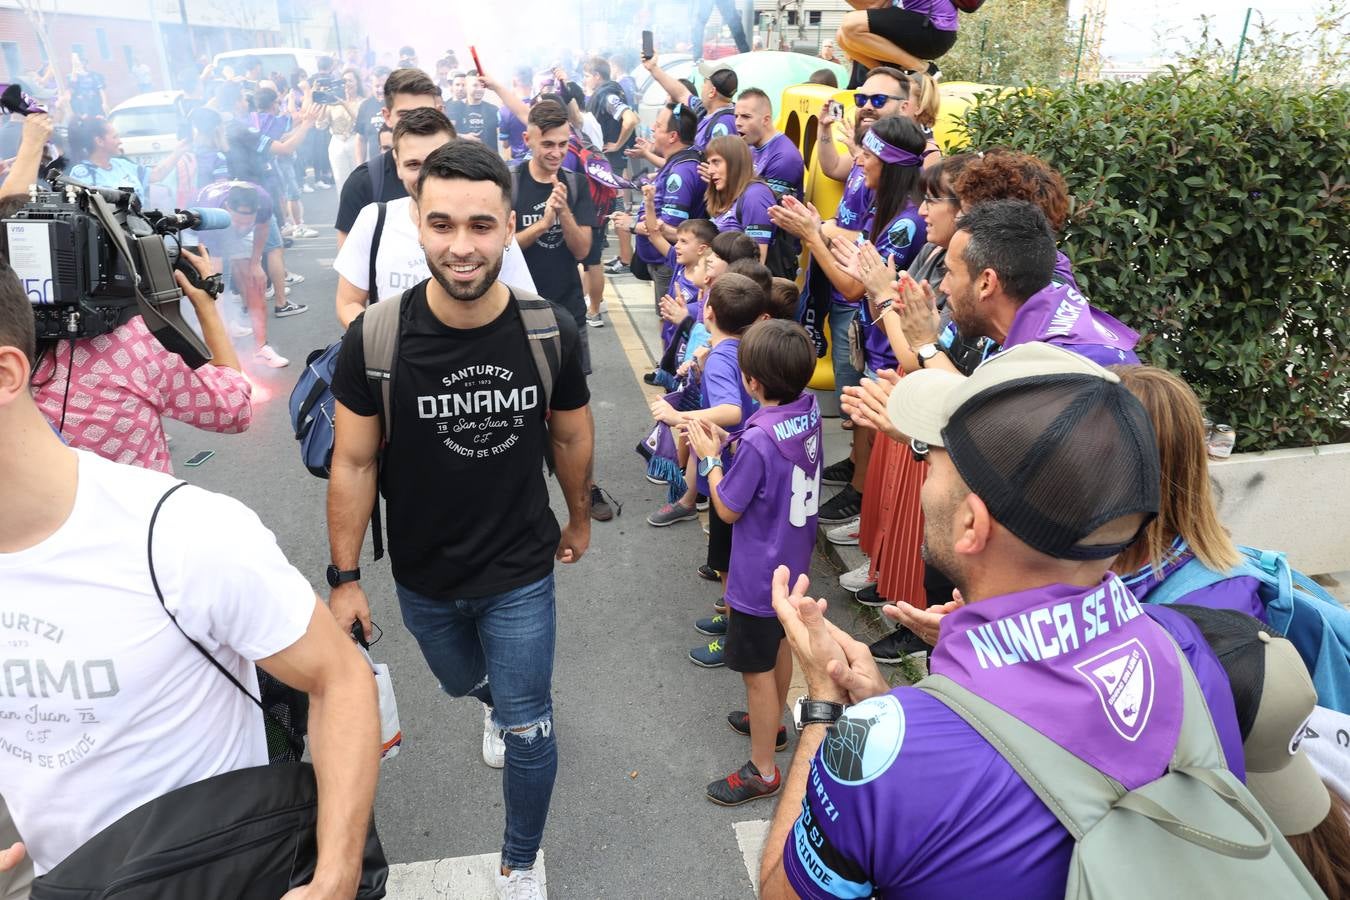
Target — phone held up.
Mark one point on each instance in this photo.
(648, 45)
(837, 110)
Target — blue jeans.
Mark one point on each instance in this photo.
(499, 649)
(841, 317)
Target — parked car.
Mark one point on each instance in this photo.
(150, 125)
(284, 60)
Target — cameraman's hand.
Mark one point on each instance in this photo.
(348, 604)
(201, 300)
(201, 261)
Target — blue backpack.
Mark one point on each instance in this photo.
(1298, 607)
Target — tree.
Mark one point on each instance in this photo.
(1302, 58)
(1013, 42)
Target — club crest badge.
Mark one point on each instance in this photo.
(812, 445)
(865, 741)
(1124, 680)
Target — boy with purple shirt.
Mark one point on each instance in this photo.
(769, 493)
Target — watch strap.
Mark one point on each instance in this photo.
(820, 711)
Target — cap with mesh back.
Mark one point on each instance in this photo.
(1054, 444)
(722, 78)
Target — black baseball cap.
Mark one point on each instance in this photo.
(1053, 443)
(724, 81)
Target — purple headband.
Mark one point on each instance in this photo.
(889, 152)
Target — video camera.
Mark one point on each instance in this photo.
(90, 259)
(327, 90)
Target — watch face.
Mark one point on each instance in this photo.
(332, 575)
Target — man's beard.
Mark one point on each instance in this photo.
(968, 322)
(468, 291)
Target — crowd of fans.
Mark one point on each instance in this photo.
(1023, 487)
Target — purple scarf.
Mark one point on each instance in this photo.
(1083, 666)
(794, 428)
(1058, 314)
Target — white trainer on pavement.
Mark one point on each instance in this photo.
(304, 231)
(845, 535)
(269, 357)
(521, 884)
(238, 331)
(857, 579)
(294, 278)
(494, 745)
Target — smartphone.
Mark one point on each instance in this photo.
(473, 51)
(648, 45)
(199, 458)
(837, 110)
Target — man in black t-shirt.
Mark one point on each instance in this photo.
(404, 89)
(469, 431)
(370, 115)
(476, 119)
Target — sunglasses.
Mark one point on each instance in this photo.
(919, 450)
(877, 100)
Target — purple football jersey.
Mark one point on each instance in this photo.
(750, 213)
(942, 13)
(775, 485)
(722, 386)
(1058, 314)
(855, 203)
(679, 198)
(513, 133)
(903, 239)
(779, 162)
(715, 125)
(904, 799)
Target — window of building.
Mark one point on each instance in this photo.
(13, 59)
(792, 17)
(813, 17)
(104, 51)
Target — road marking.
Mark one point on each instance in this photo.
(750, 836)
(458, 878)
(640, 359)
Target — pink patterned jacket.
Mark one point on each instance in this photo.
(127, 382)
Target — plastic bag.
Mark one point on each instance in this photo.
(391, 735)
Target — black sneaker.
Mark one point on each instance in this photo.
(839, 474)
(720, 606)
(899, 645)
(868, 596)
(740, 723)
(616, 267)
(841, 507)
(708, 573)
(743, 785)
(601, 508)
(649, 378)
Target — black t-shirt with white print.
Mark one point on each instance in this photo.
(552, 265)
(463, 476)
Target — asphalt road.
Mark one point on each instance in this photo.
(641, 731)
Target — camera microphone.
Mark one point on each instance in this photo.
(200, 218)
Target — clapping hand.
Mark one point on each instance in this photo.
(876, 274)
(919, 317)
(926, 623)
(801, 220)
(837, 667)
(865, 403)
(705, 437)
(673, 311)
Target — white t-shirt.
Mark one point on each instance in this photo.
(400, 263)
(103, 704)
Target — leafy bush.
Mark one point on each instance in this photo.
(1012, 42)
(1212, 217)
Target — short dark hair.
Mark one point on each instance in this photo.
(1013, 238)
(16, 314)
(598, 65)
(83, 132)
(756, 271)
(784, 299)
(733, 245)
(780, 356)
(265, 98)
(423, 122)
(325, 63)
(736, 302)
(704, 231)
(466, 161)
(825, 77)
(406, 50)
(754, 93)
(683, 121)
(408, 80)
(547, 115)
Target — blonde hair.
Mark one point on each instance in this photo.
(735, 152)
(1188, 507)
(926, 97)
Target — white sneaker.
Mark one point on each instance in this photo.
(238, 331)
(307, 189)
(269, 357)
(845, 535)
(857, 579)
(272, 292)
(521, 884)
(294, 278)
(494, 754)
(304, 231)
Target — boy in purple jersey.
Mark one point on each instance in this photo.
(693, 238)
(769, 494)
(1043, 467)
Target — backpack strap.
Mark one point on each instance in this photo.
(372, 295)
(379, 343)
(296, 742)
(540, 321)
(1193, 576)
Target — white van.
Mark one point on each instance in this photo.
(150, 125)
(283, 60)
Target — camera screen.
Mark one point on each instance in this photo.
(30, 255)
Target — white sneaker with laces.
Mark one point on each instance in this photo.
(271, 358)
(856, 579)
(294, 278)
(494, 746)
(304, 231)
(521, 884)
(845, 535)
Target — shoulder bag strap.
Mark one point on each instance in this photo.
(544, 337)
(372, 281)
(379, 341)
(375, 172)
(296, 743)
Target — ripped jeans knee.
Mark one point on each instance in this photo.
(528, 735)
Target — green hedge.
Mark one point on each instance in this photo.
(1212, 217)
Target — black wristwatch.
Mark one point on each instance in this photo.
(337, 576)
(811, 712)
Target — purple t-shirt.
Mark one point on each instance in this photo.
(904, 799)
(750, 213)
(679, 198)
(715, 125)
(855, 203)
(682, 289)
(722, 386)
(512, 132)
(774, 484)
(941, 12)
(903, 239)
(779, 162)
(1058, 314)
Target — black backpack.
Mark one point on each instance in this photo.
(785, 251)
